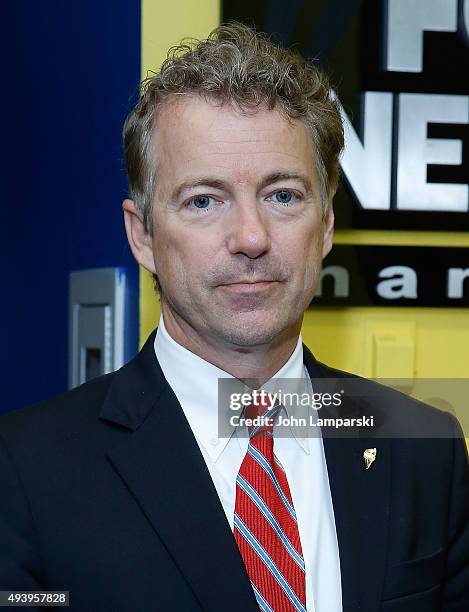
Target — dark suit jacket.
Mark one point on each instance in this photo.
(104, 493)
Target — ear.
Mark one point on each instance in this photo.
(328, 222)
(139, 238)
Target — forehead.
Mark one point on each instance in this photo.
(195, 134)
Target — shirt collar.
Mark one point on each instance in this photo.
(197, 389)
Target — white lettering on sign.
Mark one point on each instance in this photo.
(416, 151)
(402, 283)
(456, 278)
(341, 280)
(385, 162)
(367, 159)
(397, 282)
(405, 23)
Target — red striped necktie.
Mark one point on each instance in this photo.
(265, 524)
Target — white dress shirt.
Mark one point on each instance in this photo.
(195, 384)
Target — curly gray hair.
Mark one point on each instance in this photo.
(242, 67)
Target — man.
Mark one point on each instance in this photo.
(123, 493)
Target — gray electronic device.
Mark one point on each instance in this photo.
(96, 323)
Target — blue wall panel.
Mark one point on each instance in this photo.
(70, 75)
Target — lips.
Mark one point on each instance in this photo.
(248, 286)
(250, 282)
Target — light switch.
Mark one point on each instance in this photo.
(393, 355)
(389, 349)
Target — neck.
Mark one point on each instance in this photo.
(253, 365)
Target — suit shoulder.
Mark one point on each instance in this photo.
(65, 410)
(398, 409)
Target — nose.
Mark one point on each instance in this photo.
(248, 230)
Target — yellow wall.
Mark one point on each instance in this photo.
(391, 342)
(164, 24)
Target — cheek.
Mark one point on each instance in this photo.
(307, 250)
(181, 257)
(308, 258)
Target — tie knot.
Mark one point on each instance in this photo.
(261, 414)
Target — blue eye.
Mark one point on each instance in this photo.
(283, 197)
(202, 202)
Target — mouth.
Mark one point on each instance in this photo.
(249, 285)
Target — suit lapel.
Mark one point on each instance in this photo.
(164, 469)
(361, 500)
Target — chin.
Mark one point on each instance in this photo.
(248, 331)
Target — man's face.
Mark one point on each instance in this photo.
(239, 232)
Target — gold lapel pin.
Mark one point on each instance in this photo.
(369, 455)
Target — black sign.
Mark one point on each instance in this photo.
(401, 72)
(394, 276)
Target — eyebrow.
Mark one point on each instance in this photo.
(275, 177)
(214, 183)
(197, 182)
